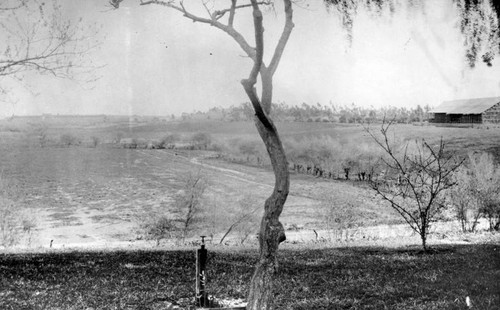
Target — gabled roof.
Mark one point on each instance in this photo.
(466, 106)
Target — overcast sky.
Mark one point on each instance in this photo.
(160, 63)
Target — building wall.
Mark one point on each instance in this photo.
(439, 118)
(492, 115)
(457, 118)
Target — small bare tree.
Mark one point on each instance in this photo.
(244, 219)
(422, 173)
(188, 202)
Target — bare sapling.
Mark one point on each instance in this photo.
(188, 202)
(243, 218)
(419, 176)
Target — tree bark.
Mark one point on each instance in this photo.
(271, 232)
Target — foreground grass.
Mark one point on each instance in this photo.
(345, 278)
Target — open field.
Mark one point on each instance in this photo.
(345, 248)
(86, 195)
(327, 278)
(83, 196)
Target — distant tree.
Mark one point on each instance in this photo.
(201, 140)
(169, 140)
(423, 175)
(68, 140)
(35, 36)
(418, 114)
(234, 114)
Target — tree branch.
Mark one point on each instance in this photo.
(21, 4)
(249, 83)
(220, 13)
(232, 12)
(249, 50)
(285, 35)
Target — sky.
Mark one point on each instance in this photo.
(157, 62)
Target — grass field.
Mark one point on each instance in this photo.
(346, 249)
(86, 195)
(327, 278)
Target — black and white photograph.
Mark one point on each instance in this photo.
(249, 154)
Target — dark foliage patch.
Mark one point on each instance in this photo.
(345, 278)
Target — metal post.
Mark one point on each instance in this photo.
(201, 276)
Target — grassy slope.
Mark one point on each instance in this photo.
(113, 185)
(345, 278)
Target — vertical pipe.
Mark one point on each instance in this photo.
(201, 276)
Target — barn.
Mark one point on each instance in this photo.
(468, 111)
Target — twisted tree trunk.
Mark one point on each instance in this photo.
(271, 232)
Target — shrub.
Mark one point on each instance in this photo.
(201, 140)
(42, 135)
(486, 186)
(158, 227)
(463, 199)
(14, 224)
(95, 141)
(170, 140)
(68, 139)
(341, 222)
(9, 230)
(119, 136)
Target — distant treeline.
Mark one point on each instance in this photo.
(316, 113)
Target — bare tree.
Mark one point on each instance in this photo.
(421, 175)
(36, 36)
(272, 232)
(188, 202)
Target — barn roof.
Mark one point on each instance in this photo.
(466, 106)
